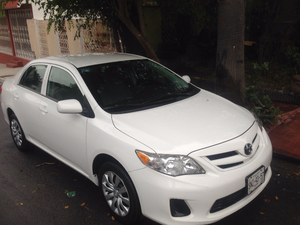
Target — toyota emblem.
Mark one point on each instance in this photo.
(248, 149)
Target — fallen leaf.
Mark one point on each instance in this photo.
(108, 214)
(19, 203)
(267, 200)
(45, 163)
(82, 204)
(296, 174)
(113, 218)
(276, 198)
(66, 207)
(262, 213)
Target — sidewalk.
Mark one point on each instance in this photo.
(284, 135)
(7, 72)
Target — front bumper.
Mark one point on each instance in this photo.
(200, 192)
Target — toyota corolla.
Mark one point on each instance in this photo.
(155, 144)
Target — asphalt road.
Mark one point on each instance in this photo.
(34, 193)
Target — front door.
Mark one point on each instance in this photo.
(63, 134)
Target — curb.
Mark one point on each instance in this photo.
(2, 79)
(285, 117)
(283, 96)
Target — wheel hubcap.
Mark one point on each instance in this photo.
(115, 193)
(16, 132)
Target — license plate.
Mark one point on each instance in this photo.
(255, 179)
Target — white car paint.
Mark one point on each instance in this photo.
(159, 127)
(199, 126)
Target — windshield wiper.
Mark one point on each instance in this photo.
(169, 97)
(121, 105)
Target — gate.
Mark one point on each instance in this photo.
(17, 19)
(5, 46)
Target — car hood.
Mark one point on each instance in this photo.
(195, 123)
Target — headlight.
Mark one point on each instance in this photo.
(174, 165)
(258, 121)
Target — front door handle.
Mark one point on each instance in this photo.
(43, 109)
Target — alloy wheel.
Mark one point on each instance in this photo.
(115, 193)
(16, 132)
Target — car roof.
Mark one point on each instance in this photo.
(82, 60)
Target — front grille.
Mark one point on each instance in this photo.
(231, 199)
(227, 201)
(230, 165)
(222, 155)
(231, 159)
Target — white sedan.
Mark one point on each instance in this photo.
(155, 144)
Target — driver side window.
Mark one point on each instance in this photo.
(62, 86)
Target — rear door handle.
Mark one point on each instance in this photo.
(16, 96)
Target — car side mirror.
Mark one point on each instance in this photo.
(70, 106)
(186, 78)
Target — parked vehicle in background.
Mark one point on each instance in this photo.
(156, 145)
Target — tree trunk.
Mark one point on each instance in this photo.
(230, 72)
(123, 15)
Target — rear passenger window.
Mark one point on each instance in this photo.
(33, 77)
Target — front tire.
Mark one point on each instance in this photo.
(18, 134)
(119, 193)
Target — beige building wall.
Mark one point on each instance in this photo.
(52, 41)
(33, 38)
(75, 46)
(42, 43)
(45, 43)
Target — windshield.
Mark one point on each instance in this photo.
(133, 85)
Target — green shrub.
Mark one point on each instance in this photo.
(293, 56)
(261, 105)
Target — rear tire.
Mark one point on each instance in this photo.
(119, 193)
(18, 134)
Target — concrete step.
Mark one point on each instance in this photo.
(14, 64)
(18, 62)
(11, 65)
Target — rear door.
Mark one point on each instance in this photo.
(27, 99)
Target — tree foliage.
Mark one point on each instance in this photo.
(116, 14)
(88, 13)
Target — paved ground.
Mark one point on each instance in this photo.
(7, 72)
